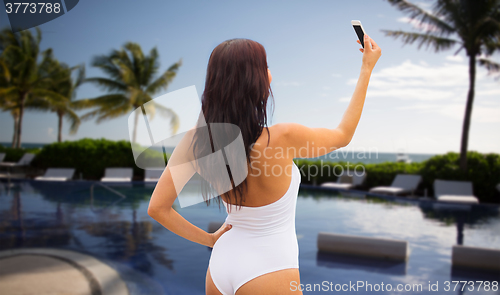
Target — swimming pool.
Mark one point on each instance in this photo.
(97, 221)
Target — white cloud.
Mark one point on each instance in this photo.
(455, 58)
(345, 99)
(336, 75)
(418, 24)
(424, 5)
(456, 111)
(438, 89)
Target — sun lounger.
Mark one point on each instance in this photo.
(152, 174)
(117, 175)
(24, 161)
(346, 181)
(2, 156)
(498, 187)
(454, 191)
(402, 184)
(57, 174)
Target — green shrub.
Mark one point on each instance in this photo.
(90, 157)
(15, 154)
(483, 170)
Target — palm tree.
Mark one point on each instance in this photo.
(131, 81)
(474, 25)
(26, 76)
(64, 103)
(8, 103)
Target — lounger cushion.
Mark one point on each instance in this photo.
(44, 178)
(388, 190)
(115, 179)
(117, 175)
(337, 185)
(458, 199)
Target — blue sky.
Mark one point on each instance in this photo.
(415, 100)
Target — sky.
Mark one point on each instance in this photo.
(415, 101)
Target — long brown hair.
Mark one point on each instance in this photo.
(236, 91)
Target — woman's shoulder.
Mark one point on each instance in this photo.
(277, 135)
(284, 129)
(285, 132)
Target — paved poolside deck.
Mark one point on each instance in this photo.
(56, 271)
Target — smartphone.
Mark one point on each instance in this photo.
(358, 28)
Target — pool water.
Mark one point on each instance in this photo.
(113, 225)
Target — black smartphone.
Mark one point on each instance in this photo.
(358, 28)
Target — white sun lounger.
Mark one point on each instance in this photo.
(402, 184)
(346, 181)
(498, 187)
(2, 156)
(117, 175)
(152, 174)
(24, 161)
(454, 191)
(57, 174)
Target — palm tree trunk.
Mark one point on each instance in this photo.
(14, 135)
(20, 119)
(468, 112)
(136, 120)
(59, 128)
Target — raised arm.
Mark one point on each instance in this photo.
(313, 142)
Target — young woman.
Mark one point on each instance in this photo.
(256, 250)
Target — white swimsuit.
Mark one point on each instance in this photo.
(262, 240)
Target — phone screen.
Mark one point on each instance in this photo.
(360, 34)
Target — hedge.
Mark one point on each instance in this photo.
(14, 154)
(90, 157)
(483, 170)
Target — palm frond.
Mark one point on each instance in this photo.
(9, 91)
(100, 102)
(423, 16)
(166, 112)
(48, 94)
(438, 43)
(115, 112)
(5, 72)
(74, 120)
(105, 63)
(490, 65)
(108, 84)
(164, 80)
(151, 66)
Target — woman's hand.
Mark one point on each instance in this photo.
(216, 235)
(371, 53)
